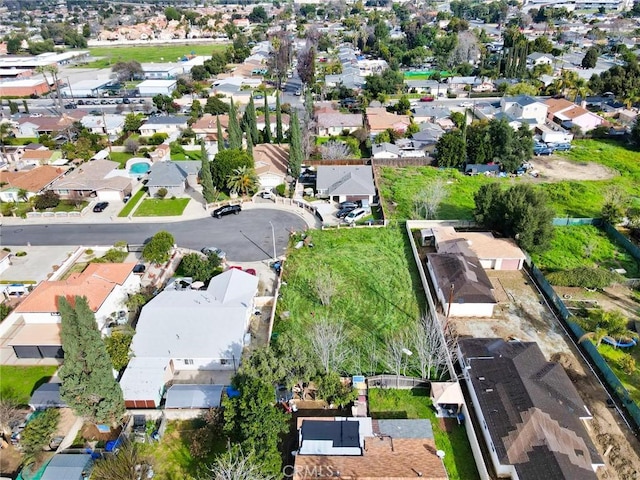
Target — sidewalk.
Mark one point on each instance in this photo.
(194, 211)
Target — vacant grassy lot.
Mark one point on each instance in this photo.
(377, 286)
(585, 246)
(155, 207)
(146, 54)
(133, 201)
(18, 383)
(399, 186)
(171, 457)
(415, 403)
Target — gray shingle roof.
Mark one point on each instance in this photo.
(171, 174)
(67, 467)
(346, 180)
(404, 428)
(470, 281)
(168, 120)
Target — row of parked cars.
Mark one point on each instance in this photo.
(540, 148)
(351, 212)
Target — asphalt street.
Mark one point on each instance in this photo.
(246, 237)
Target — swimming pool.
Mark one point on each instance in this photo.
(139, 168)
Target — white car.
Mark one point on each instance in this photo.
(466, 104)
(35, 115)
(216, 251)
(355, 215)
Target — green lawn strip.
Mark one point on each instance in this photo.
(415, 403)
(613, 355)
(121, 158)
(155, 207)
(18, 383)
(131, 204)
(187, 155)
(585, 246)
(63, 206)
(146, 54)
(377, 285)
(171, 456)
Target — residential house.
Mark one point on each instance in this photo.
(260, 123)
(162, 153)
(106, 287)
(110, 125)
(346, 183)
(627, 117)
(481, 169)
(33, 182)
(34, 127)
(206, 128)
(379, 120)
(175, 177)
(462, 83)
(568, 114)
(359, 447)
(271, 164)
(531, 414)
(162, 71)
(428, 135)
(524, 109)
(40, 156)
(334, 123)
(536, 58)
(184, 331)
(423, 86)
(151, 88)
(486, 86)
(168, 125)
(100, 178)
(68, 466)
(385, 150)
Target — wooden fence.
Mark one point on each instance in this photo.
(397, 381)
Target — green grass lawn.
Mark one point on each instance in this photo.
(147, 54)
(585, 245)
(155, 207)
(187, 155)
(171, 456)
(399, 186)
(378, 290)
(416, 403)
(133, 201)
(64, 206)
(18, 383)
(613, 355)
(121, 157)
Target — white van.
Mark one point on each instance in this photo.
(355, 215)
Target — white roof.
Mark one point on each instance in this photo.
(156, 83)
(144, 379)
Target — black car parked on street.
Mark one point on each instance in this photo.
(226, 210)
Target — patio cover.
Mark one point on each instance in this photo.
(46, 396)
(446, 393)
(194, 396)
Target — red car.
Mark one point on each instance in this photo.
(427, 99)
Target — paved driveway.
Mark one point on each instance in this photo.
(246, 237)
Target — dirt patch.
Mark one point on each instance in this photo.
(556, 168)
(522, 314)
(10, 461)
(91, 433)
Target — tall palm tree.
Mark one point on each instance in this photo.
(23, 194)
(580, 89)
(631, 97)
(243, 180)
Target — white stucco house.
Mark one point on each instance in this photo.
(524, 109)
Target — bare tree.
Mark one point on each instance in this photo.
(280, 56)
(428, 200)
(128, 463)
(397, 354)
(466, 50)
(326, 286)
(131, 145)
(10, 415)
(234, 465)
(430, 348)
(327, 342)
(307, 64)
(333, 150)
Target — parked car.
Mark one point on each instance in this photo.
(70, 106)
(226, 210)
(298, 93)
(427, 99)
(343, 212)
(139, 269)
(35, 115)
(466, 104)
(266, 194)
(542, 151)
(214, 250)
(100, 207)
(95, 112)
(355, 215)
(348, 204)
(126, 198)
(562, 147)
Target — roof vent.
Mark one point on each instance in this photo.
(489, 390)
(480, 378)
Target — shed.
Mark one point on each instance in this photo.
(194, 396)
(446, 398)
(68, 467)
(46, 396)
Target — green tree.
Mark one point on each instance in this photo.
(88, 385)
(215, 106)
(225, 163)
(521, 212)
(279, 131)
(258, 15)
(127, 464)
(157, 250)
(172, 13)
(267, 122)
(235, 132)
(295, 148)
(25, 104)
(590, 57)
(403, 105)
(48, 199)
(250, 122)
(208, 191)
(86, 30)
(219, 134)
(6, 129)
(196, 109)
(39, 431)
(249, 146)
(331, 389)
(243, 180)
(600, 323)
(199, 268)
(389, 82)
(451, 150)
(164, 103)
(254, 424)
(132, 122)
(117, 345)
(199, 73)
(635, 133)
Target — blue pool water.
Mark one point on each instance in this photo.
(139, 168)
